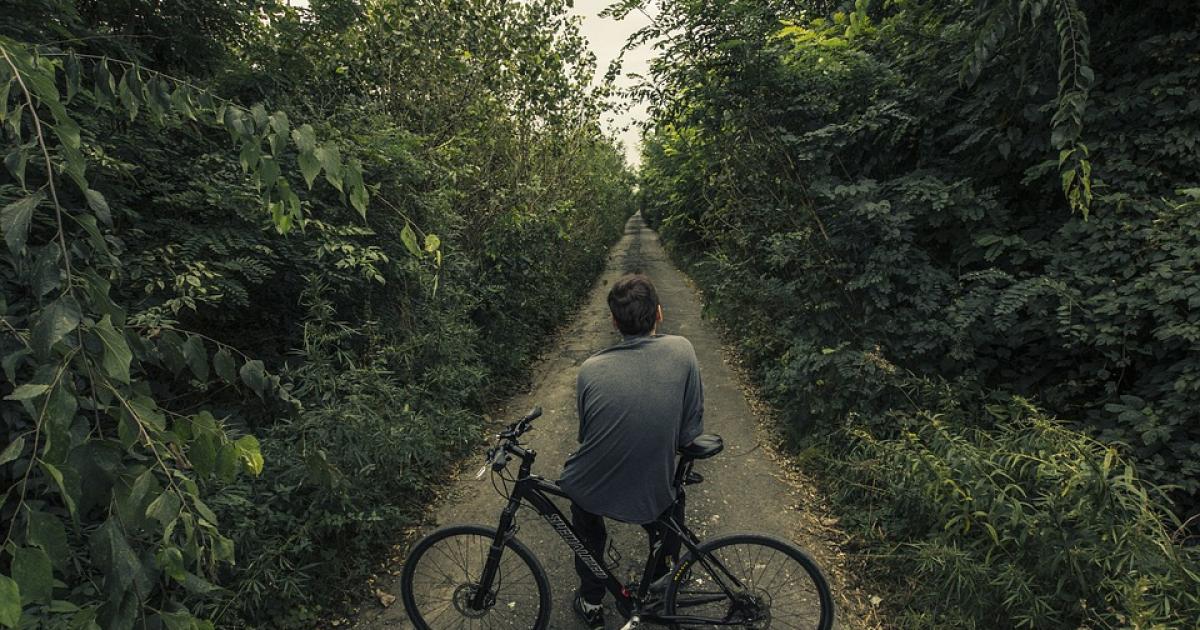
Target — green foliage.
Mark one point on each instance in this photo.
(1075, 78)
(239, 343)
(867, 222)
(103, 455)
(1027, 522)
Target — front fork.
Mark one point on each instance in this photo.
(483, 594)
(483, 597)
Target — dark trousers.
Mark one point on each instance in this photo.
(593, 533)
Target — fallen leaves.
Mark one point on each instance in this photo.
(385, 599)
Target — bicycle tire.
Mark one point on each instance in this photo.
(466, 548)
(693, 591)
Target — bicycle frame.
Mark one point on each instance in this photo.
(534, 490)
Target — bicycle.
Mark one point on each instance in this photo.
(494, 581)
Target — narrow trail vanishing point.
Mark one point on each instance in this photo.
(746, 487)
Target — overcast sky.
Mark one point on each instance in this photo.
(606, 37)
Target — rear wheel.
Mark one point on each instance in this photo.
(441, 579)
(750, 581)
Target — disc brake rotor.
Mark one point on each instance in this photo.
(753, 609)
(465, 594)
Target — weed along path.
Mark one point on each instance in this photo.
(746, 488)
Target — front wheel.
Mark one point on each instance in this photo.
(440, 582)
(749, 581)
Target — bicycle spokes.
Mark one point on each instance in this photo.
(446, 587)
(769, 591)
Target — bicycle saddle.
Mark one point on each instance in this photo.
(703, 447)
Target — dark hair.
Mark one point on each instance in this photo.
(634, 304)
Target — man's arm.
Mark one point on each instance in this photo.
(693, 405)
(580, 404)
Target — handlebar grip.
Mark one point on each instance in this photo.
(499, 460)
(533, 414)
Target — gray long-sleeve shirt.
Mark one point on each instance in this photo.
(638, 401)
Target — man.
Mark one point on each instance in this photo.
(638, 402)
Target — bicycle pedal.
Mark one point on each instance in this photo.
(693, 478)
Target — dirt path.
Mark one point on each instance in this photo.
(746, 487)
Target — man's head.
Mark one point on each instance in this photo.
(634, 305)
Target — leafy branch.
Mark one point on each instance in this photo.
(82, 334)
(1075, 78)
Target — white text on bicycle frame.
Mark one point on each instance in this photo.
(576, 545)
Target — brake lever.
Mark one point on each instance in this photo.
(491, 455)
(511, 432)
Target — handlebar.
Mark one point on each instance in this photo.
(506, 442)
(520, 427)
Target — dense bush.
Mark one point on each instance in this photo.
(320, 290)
(1023, 521)
(1000, 198)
